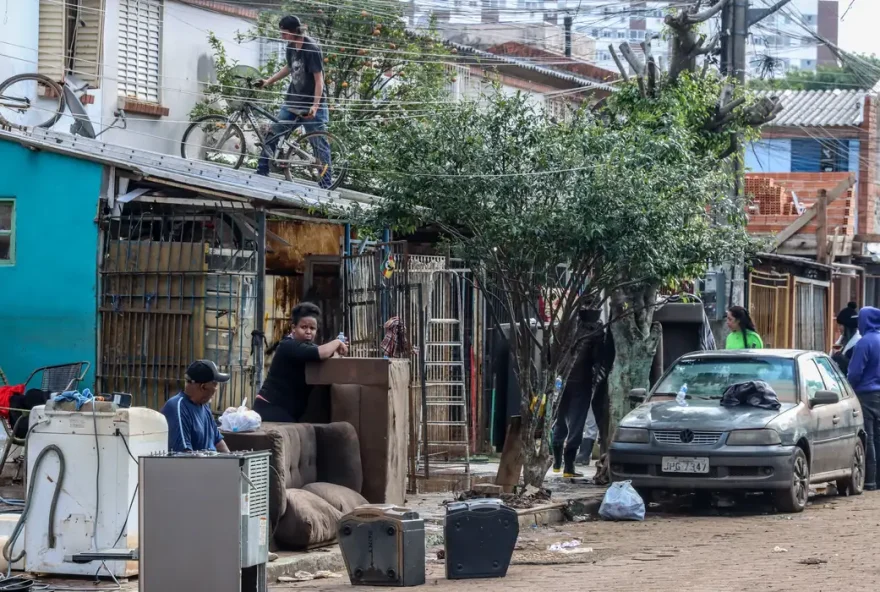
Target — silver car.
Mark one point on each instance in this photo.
(816, 436)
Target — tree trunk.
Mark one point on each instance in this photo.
(633, 359)
(536, 452)
(636, 337)
(535, 462)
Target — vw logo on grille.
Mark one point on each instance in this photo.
(686, 436)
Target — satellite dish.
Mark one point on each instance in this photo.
(246, 72)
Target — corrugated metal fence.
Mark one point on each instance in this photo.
(175, 286)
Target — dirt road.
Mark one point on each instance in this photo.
(828, 547)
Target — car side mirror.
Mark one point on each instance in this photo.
(638, 395)
(824, 398)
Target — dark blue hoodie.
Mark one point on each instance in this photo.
(864, 368)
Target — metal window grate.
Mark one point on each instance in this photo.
(676, 437)
(258, 473)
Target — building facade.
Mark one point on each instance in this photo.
(823, 143)
(822, 132)
(139, 263)
(149, 57)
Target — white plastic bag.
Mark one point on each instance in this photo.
(622, 502)
(240, 420)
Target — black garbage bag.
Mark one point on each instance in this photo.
(755, 393)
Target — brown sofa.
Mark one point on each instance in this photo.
(316, 477)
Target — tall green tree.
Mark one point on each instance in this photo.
(626, 203)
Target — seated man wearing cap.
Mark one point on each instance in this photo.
(191, 426)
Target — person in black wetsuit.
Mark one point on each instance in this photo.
(284, 395)
(577, 397)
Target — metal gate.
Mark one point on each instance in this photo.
(811, 315)
(445, 429)
(175, 287)
(769, 307)
(376, 285)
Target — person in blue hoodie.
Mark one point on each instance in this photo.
(864, 376)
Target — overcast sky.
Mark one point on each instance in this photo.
(860, 29)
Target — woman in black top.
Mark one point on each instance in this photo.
(284, 395)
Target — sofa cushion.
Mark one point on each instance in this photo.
(309, 520)
(300, 453)
(339, 455)
(342, 498)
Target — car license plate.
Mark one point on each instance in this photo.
(685, 464)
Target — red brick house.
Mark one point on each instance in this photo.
(821, 141)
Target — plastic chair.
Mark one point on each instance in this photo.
(54, 379)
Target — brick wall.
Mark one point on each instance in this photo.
(868, 193)
(775, 207)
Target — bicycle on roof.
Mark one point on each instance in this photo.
(317, 156)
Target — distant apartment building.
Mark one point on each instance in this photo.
(782, 42)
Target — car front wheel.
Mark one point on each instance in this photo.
(794, 498)
(855, 483)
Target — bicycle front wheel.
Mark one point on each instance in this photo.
(319, 157)
(29, 101)
(214, 139)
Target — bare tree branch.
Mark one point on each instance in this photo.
(760, 16)
(702, 17)
(711, 45)
(729, 107)
(620, 66)
(630, 56)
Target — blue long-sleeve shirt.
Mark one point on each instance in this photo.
(190, 426)
(864, 368)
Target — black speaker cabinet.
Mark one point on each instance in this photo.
(383, 545)
(480, 536)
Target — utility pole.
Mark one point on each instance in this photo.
(740, 32)
(734, 33)
(736, 19)
(567, 21)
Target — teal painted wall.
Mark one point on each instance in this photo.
(48, 296)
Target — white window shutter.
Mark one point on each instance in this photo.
(53, 38)
(140, 50)
(88, 52)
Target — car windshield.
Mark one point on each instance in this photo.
(707, 378)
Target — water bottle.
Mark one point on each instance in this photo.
(341, 337)
(681, 397)
(558, 384)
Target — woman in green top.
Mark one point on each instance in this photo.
(743, 334)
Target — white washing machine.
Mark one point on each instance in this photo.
(105, 491)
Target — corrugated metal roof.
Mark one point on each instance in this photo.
(189, 173)
(819, 108)
(488, 58)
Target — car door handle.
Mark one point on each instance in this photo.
(856, 412)
(835, 420)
